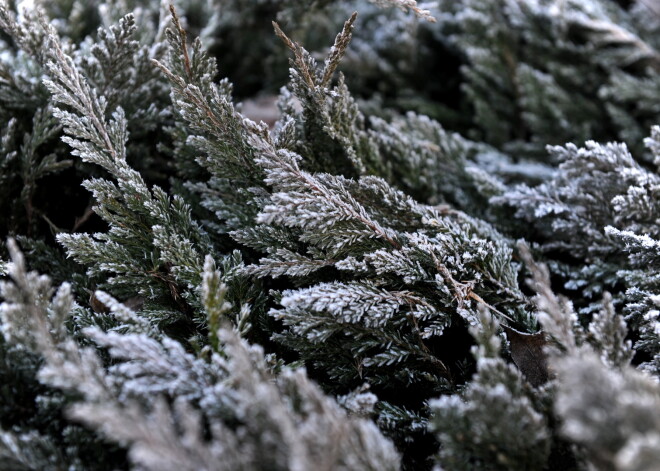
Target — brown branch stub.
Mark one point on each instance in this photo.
(298, 55)
(285, 39)
(182, 37)
(164, 274)
(80, 220)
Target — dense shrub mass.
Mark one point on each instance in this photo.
(434, 243)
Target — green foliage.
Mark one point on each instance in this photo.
(548, 72)
(265, 421)
(512, 434)
(321, 270)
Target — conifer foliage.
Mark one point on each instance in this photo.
(341, 268)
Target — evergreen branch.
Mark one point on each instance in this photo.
(337, 51)
(141, 219)
(404, 5)
(299, 55)
(182, 37)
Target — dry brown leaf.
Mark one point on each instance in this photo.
(527, 351)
